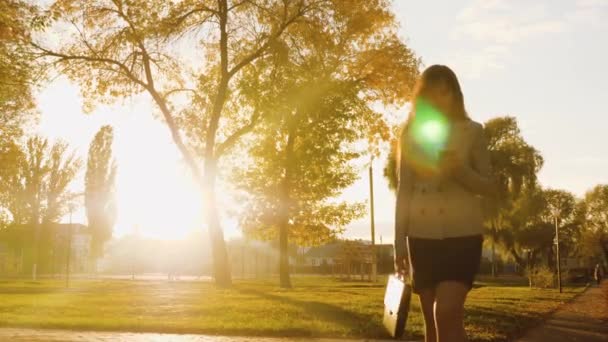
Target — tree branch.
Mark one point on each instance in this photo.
(257, 53)
(234, 137)
(121, 66)
(180, 90)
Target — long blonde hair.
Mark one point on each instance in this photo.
(437, 76)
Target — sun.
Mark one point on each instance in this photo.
(155, 191)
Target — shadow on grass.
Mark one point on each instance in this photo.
(30, 290)
(505, 326)
(356, 324)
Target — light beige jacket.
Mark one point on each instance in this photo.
(437, 207)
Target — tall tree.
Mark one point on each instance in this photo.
(515, 164)
(121, 47)
(561, 205)
(39, 187)
(99, 190)
(595, 212)
(532, 224)
(16, 101)
(316, 105)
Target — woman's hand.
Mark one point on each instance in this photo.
(401, 266)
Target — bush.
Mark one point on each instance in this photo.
(542, 277)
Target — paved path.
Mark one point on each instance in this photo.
(48, 335)
(585, 319)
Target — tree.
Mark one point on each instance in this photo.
(38, 187)
(561, 205)
(120, 48)
(16, 101)
(522, 230)
(390, 168)
(299, 164)
(594, 208)
(317, 105)
(99, 190)
(515, 165)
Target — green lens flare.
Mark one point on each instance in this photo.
(433, 132)
(430, 129)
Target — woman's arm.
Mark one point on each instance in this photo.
(404, 192)
(478, 176)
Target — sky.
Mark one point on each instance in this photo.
(541, 62)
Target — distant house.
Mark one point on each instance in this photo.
(319, 256)
(352, 254)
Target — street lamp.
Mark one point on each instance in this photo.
(373, 227)
(69, 252)
(528, 269)
(71, 205)
(559, 273)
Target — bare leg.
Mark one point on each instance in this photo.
(427, 301)
(449, 311)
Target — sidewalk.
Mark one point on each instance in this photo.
(583, 319)
(48, 335)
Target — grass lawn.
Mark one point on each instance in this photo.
(315, 307)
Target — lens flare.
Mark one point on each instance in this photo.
(430, 127)
(433, 132)
(430, 130)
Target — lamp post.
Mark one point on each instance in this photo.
(373, 227)
(559, 273)
(528, 270)
(69, 252)
(71, 206)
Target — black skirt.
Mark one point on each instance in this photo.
(435, 260)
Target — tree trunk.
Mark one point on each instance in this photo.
(529, 270)
(285, 280)
(533, 259)
(37, 244)
(94, 256)
(221, 264)
(494, 233)
(36, 253)
(518, 259)
(284, 196)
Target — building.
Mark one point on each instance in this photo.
(348, 256)
(322, 256)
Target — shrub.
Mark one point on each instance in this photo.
(542, 277)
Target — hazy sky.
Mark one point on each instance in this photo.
(541, 61)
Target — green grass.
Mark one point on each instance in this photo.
(315, 307)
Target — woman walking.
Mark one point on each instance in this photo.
(597, 274)
(443, 173)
